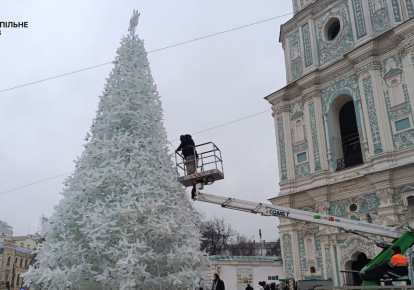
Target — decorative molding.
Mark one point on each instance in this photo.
(295, 55)
(379, 16)
(307, 46)
(372, 115)
(282, 148)
(350, 83)
(365, 203)
(384, 194)
(328, 263)
(314, 133)
(344, 42)
(288, 256)
(353, 245)
(359, 18)
(396, 10)
(410, 8)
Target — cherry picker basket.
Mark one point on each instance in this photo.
(209, 165)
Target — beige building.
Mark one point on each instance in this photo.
(28, 242)
(14, 261)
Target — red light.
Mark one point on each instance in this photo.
(331, 219)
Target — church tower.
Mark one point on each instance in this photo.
(344, 128)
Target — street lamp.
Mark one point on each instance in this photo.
(261, 249)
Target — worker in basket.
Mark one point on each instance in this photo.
(187, 146)
(397, 266)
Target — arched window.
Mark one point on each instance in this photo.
(8, 261)
(312, 270)
(25, 265)
(345, 133)
(410, 201)
(21, 262)
(397, 94)
(16, 260)
(18, 280)
(299, 131)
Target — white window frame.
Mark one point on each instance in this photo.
(300, 152)
(388, 81)
(399, 119)
(294, 121)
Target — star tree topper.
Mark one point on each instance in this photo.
(133, 23)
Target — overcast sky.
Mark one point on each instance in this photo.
(203, 84)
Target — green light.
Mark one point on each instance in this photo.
(317, 217)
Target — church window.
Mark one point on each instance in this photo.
(21, 262)
(351, 154)
(402, 124)
(410, 201)
(299, 131)
(8, 261)
(312, 270)
(353, 207)
(302, 157)
(397, 93)
(332, 29)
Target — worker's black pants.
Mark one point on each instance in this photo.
(389, 275)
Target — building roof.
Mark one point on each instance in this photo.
(19, 250)
(247, 258)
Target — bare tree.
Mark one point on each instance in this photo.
(243, 246)
(217, 236)
(42, 222)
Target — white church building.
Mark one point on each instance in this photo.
(344, 128)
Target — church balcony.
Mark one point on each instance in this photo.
(349, 161)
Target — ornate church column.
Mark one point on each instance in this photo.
(367, 143)
(281, 151)
(296, 259)
(284, 141)
(328, 145)
(288, 143)
(381, 109)
(320, 131)
(310, 131)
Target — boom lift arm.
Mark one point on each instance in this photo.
(306, 216)
(371, 273)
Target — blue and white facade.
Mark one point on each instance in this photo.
(357, 54)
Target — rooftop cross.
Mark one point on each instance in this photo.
(133, 23)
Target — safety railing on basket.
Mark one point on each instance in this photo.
(209, 158)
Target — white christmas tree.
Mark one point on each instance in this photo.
(123, 222)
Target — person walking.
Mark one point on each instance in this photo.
(249, 287)
(218, 284)
(259, 286)
(272, 286)
(187, 146)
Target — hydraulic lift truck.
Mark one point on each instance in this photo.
(211, 169)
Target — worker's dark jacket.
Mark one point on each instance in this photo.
(187, 145)
(398, 266)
